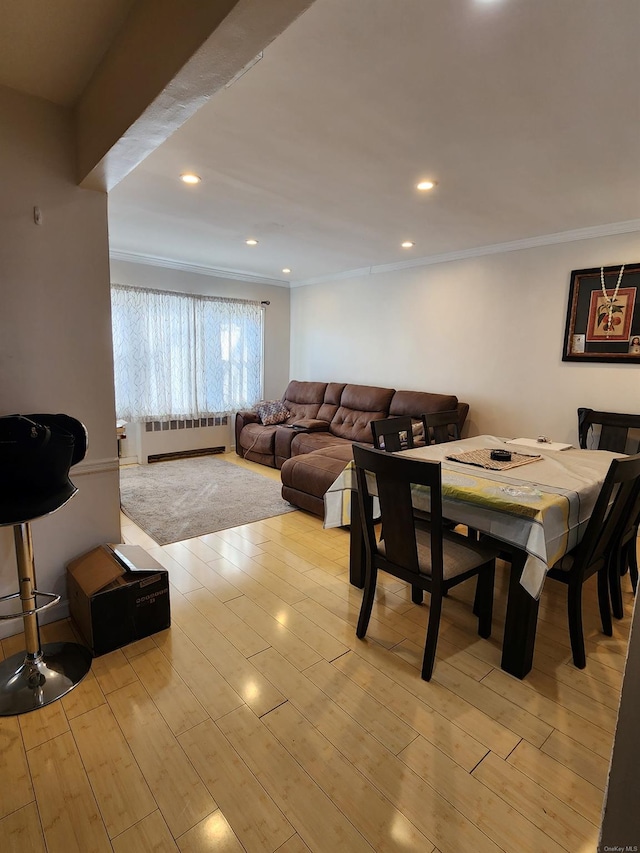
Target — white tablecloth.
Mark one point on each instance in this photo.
(541, 508)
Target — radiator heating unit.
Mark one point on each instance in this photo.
(155, 441)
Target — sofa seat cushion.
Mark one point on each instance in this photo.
(313, 473)
(258, 438)
(309, 442)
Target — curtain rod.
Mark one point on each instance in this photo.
(161, 292)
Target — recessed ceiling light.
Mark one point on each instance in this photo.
(407, 244)
(251, 242)
(190, 178)
(286, 270)
(426, 185)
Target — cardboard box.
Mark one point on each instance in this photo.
(117, 594)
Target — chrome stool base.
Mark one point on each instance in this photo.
(28, 682)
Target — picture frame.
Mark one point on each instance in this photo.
(598, 329)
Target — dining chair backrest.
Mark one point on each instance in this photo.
(394, 476)
(615, 504)
(440, 427)
(629, 526)
(625, 557)
(619, 432)
(392, 434)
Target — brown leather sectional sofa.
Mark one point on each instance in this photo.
(312, 447)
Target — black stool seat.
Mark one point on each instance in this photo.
(36, 453)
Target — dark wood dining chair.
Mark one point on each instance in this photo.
(616, 502)
(392, 434)
(619, 433)
(623, 559)
(440, 427)
(433, 560)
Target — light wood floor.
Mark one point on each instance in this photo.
(259, 722)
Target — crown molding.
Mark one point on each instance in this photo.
(590, 233)
(198, 269)
(612, 229)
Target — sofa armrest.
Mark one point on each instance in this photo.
(311, 425)
(463, 411)
(242, 419)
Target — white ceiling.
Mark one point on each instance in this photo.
(526, 112)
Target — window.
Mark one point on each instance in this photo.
(184, 356)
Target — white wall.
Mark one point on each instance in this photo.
(55, 339)
(488, 329)
(276, 329)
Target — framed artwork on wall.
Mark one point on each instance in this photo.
(603, 315)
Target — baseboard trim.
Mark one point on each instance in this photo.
(95, 466)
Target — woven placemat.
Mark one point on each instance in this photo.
(482, 458)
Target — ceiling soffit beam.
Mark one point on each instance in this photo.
(165, 63)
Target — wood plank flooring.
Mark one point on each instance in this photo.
(259, 723)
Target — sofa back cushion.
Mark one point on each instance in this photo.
(416, 403)
(359, 405)
(303, 399)
(331, 400)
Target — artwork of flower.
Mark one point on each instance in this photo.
(611, 320)
(608, 314)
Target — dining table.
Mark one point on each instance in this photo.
(535, 505)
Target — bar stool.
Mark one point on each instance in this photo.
(36, 452)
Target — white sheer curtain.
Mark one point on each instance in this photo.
(182, 356)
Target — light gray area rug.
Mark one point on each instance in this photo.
(184, 498)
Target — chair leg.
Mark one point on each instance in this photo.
(368, 596)
(477, 598)
(632, 558)
(484, 600)
(624, 566)
(617, 561)
(435, 609)
(605, 575)
(574, 610)
(416, 595)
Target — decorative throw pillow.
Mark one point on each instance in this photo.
(272, 412)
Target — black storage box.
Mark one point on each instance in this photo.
(117, 594)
